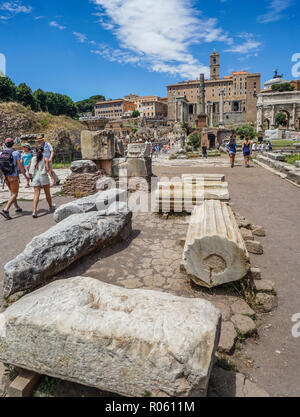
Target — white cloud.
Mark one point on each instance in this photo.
(80, 36)
(12, 8)
(275, 9)
(158, 36)
(57, 25)
(249, 45)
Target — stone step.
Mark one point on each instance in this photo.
(215, 252)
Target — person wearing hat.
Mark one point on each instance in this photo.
(10, 162)
(49, 154)
(25, 160)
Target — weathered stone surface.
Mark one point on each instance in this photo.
(181, 196)
(258, 231)
(23, 385)
(228, 337)
(245, 325)
(254, 247)
(132, 167)
(97, 146)
(105, 183)
(247, 234)
(119, 148)
(82, 184)
(266, 302)
(264, 285)
(194, 178)
(255, 273)
(294, 176)
(118, 340)
(138, 150)
(232, 384)
(241, 307)
(214, 252)
(224, 308)
(83, 167)
(96, 202)
(60, 246)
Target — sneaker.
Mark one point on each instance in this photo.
(5, 214)
(52, 209)
(19, 210)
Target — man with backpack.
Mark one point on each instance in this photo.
(10, 162)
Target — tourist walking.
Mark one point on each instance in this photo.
(39, 168)
(269, 146)
(246, 148)
(254, 147)
(261, 147)
(10, 163)
(49, 154)
(204, 144)
(231, 149)
(25, 160)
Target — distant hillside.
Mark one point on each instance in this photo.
(16, 120)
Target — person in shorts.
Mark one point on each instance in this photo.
(39, 170)
(246, 147)
(25, 160)
(11, 161)
(49, 154)
(231, 149)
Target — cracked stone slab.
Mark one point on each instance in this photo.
(241, 307)
(228, 337)
(117, 340)
(244, 324)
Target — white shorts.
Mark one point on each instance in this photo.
(40, 180)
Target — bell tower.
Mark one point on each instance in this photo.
(215, 66)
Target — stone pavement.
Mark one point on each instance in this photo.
(27, 193)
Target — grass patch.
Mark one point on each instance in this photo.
(243, 289)
(61, 165)
(225, 363)
(46, 387)
(277, 144)
(292, 159)
(10, 371)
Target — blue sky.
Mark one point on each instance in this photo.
(116, 47)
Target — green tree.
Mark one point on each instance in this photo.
(88, 105)
(7, 89)
(59, 104)
(280, 119)
(41, 99)
(194, 140)
(283, 87)
(24, 96)
(246, 130)
(136, 113)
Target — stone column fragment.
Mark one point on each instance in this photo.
(214, 252)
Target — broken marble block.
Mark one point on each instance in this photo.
(130, 342)
(95, 202)
(97, 146)
(215, 252)
(56, 249)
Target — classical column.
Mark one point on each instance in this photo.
(273, 117)
(211, 115)
(293, 118)
(221, 121)
(260, 121)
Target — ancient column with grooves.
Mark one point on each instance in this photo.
(214, 252)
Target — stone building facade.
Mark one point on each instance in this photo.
(113, 109)
(240, 90)
(270, 103)
(152, 107)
